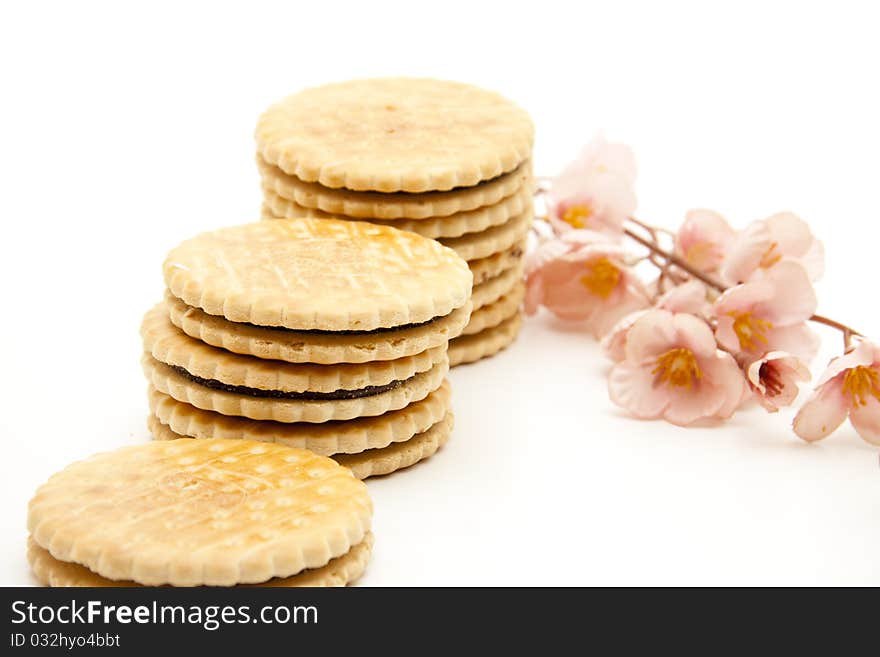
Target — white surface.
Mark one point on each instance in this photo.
(123, 133)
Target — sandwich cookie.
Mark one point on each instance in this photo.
(400, 205)
(317, 333)
(395, 135)
(201, 513)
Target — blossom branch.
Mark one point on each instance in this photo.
(653, 246)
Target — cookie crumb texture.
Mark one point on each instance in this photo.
(318, 274)
(200, 512)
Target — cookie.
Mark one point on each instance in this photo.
(169, 345)
(473, 246)
(316, 346)
(376, 205)
(327, 438)
(200, 512)
(340, 571)
(318, 274)
(378, 462)
(292, 407)
(491, 266)
(369, 463)
(395, 134)
(470, 348)
(454, 225)
(490, 291)
(495, 313)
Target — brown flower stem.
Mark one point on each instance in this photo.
(672, 258)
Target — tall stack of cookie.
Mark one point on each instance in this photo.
(443, 159)
(315, 333)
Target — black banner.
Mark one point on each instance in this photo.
(169, 620)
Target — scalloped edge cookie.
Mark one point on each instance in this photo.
(495, 313)
(187, 513)
(327, 438)
(321, 348)
(491, 266)
(475, 246)
(318, 274)
(369, 463)
(402, 205)
(165, 379)
(456, 225)
(395, 134)
(341, 571)
(471, 348)
(489, 292)
(378, 462)
(168, 344)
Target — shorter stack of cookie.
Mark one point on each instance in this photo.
(313, 333)
(442, 159)
(201, 513)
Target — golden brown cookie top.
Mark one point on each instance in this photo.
(395, 134)
(193, 512)
(318, 274)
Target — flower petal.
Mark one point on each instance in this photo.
(703, 239)
(651, 335)
(614, 343)
(694, 334)
(794, 299)
(862, 354)
(723, 371)
(724, 333)
(866, 420)
(744, 298)
(799, 340)
(824, 412)
(632, 387)
(745, 253)
(689, 297)
(688, 406)
(790, 233)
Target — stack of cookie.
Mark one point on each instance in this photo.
(443, 159)
(314, 333)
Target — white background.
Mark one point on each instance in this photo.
(125, 131)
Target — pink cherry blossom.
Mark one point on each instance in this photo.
(774, 379)
(766, 243)
(769, 313)
(595, 192)
(703, 240)
(689, 297)
(850, 387)
(673, 369)
(578, 277)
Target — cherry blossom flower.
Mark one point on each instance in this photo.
(595, 192)
(774, 379)
(703, 240)
(769, 313)
(689, 297)
(850, 387)
(766, 243)
(673, 369)
(578, 277)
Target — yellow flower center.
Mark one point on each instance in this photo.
(750, 330)
(771, 256)
(602, 277)
(576, 215)
(860, 383)
(678, 367)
